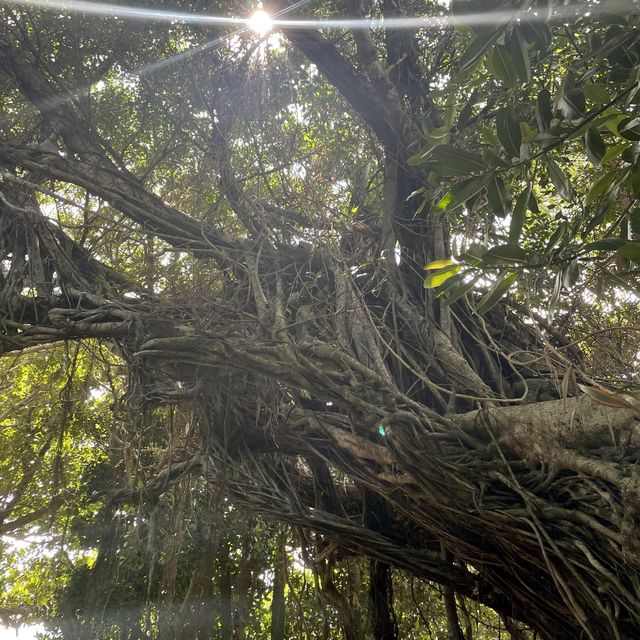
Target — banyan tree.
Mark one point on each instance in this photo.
(371, 273)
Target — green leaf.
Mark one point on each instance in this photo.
(503, 66)
(571, 274)
(634, 179)
(601, 187)
(613, 121)
(505, 254)
(559, 179)
(614, 151)
(463, 191)
(555, 295)
(499, 197)
(634, 220)
(466, 111)
(519, 213)
(594, 145)
(457, 292)
(629, 129)
(519, 52)
(440, 276)
(605, 244)
(493, 160)
(474, 254)
(537, 33)
(596, 93)
(571, 103)
(509, 132)
(631, 251)
(476, 49)
(497, 291)
(452, 161)
(557, 236)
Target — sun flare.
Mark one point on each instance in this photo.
(260, 22)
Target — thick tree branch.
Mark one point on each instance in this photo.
(381, 112)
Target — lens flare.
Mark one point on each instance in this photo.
(260, 22)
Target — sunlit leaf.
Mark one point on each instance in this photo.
(436, 278)
(439, 264)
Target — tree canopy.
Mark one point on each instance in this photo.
(326, 331)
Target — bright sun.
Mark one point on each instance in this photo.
(260, 22)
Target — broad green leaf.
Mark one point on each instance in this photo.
(440, 276)
(537, 33)
(463, 191)
(571, 274)
(493, 160)
(499, 197)
(528, 132)
(519, 213)
(605, 244)
(630, 154)
(544, 112)
(571, 103)
(505, 254)
(474, 254)
(509, 132)
(557, 236)
(594, 145)
(596, 93)
(614, 151)
(555, 296)
(613, 121)
(634, 179)
(439, 264)
(629, 129)
(601, 187)
(476, 49)
(631, 251)
(460, 290)
(559, 179)
(454, 161)
(519, 51)
(503, 66)
(497, 291)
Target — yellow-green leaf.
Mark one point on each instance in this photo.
(439, 264)
(436, 278)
